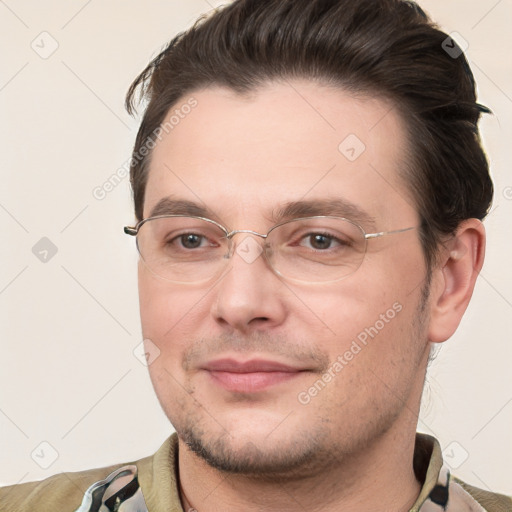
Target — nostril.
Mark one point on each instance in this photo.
(259, 320)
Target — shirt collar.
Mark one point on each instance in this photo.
(158, 479)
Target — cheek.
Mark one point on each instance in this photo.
(167, 322)
(375, 349)
(169, 313)
(370, 319)
(349, 307)
(154, 311)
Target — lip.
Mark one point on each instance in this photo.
(250, 376)
(250, 366)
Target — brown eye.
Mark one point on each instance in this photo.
(320, 242)
(191, 240)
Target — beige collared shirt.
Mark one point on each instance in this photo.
(151, 485)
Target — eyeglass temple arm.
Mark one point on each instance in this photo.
(383, 233)
(130, 230)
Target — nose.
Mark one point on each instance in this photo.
(249, 295)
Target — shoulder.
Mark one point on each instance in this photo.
(443, 491)
(66, 491)
(490, 501)
(59, 492)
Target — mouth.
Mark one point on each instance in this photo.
(250, 376)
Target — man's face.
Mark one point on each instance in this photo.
(352, 352)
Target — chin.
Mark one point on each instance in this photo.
(282, 453)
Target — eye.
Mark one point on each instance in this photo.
(322, 241)
(190, 240)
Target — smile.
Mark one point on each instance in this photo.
(250, 376)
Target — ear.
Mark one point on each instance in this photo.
(453, 280)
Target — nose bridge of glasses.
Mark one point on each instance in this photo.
(231, 234)
(247, 251)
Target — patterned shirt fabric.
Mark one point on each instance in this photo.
(151, 485)
(119, 492)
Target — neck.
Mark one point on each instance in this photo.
(379, 478)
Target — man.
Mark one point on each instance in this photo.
(309, 188)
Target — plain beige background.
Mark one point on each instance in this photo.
(73, 394)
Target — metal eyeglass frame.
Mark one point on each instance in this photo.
(134, 230)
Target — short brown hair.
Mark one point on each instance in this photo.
(385, 48)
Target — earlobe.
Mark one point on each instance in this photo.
(454, 279)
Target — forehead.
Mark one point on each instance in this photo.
(244, 156)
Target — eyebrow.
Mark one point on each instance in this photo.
(291, 210)
(169, 206)
(337, 207)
